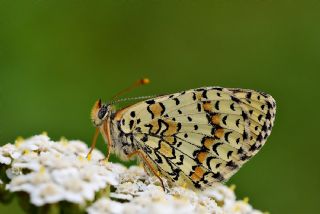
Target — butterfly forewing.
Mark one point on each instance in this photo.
(200, 136)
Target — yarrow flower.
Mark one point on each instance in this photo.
(55, 173)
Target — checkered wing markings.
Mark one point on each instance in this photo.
(235, 122)
(168, 167)
(262, 110)
(218, 158)
(180, 167)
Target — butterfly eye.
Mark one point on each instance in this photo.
(102, 112)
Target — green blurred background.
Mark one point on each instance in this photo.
(58, 57)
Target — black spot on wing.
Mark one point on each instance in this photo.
(144, 138)
(181, 157)
(204, 94)
(244, 115)
(215, 147)
(163, 108)
(147, 150)
(208, 161)
(224, 119)
(248, 95)
(269, 105)
(177, 101)
(138, 129)
(231, 165)
(232, 107)
(245, 157)
(149, 110)
(268, 116)
(149, 126)
(264, 128)
(233, 98)
(158, 159)
(216, 106)
(133, 114)
(131, 124)
(240, 150)
(259, 137)
(199, 107)
(229, 154)
(253, 147)
(238, 122)
(179, 144)
(194, 97)
(213, 130)
(150, 102)
(160, 122)
(218, 176)
(178, 127)
(226, 136)
(245, 135)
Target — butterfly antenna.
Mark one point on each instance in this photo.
(133, 98)
(138, 83)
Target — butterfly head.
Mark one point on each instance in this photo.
(100, 113)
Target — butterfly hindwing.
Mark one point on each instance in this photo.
(201, 136)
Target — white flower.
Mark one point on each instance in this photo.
(240, 207)
(52, 172)
(47, 193)
(37, 142)
(105, 205)
(121, 196)
(7, 153)
(57, 171)
(219, 192)
(5, 160)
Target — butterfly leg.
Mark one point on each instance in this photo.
(93, 144)
(106, 159)
(153, 170)
(109, 141)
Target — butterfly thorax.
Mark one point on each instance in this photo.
(122, 143)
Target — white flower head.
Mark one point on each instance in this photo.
(57, 171)
(105, 205)
(7, 153)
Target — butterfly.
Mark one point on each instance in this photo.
(194, 138)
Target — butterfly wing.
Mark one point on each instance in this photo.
(201, 136)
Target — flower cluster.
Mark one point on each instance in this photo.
(139, 193)
(55, 173)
